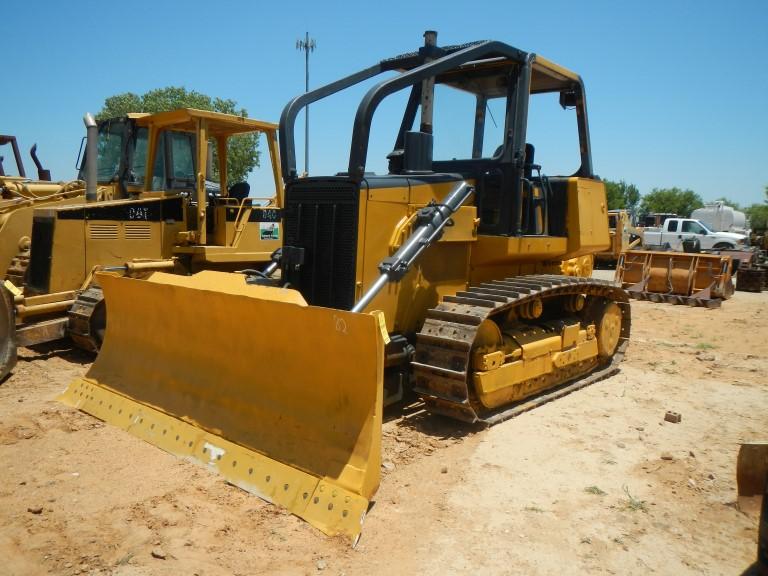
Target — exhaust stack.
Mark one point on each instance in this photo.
(42, 173)
(91, 158)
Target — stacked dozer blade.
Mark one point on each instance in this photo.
(676, 277)
(303, 434)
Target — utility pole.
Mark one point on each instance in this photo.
(307, 45)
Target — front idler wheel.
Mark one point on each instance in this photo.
(608, 327)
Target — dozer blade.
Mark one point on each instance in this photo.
(7, 333)
(676, 277)
(284, 399)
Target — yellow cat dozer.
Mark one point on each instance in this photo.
(19, 196)
(623, 237)
(441, 276)
(169, 214)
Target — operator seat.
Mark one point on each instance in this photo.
(528, 165)
(239, 191)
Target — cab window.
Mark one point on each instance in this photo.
(110, 150)
(140, 160)
(693, 227)
(182, 159)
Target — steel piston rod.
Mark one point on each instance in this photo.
(430, 222)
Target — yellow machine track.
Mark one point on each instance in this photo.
(453, 330)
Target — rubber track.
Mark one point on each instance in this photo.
(444, 344)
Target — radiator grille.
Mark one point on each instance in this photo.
(103, 231)
(321, 217)
(138, 232)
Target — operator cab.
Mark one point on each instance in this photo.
(514, 195)
(190, 150)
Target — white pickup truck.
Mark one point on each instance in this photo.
(671, 235)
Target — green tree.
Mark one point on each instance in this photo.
(758, 217)
(242, 150)
(674, 200)
(758, 214)
(621, 195)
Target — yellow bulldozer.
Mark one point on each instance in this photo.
(119, 144)
(19, 196)
(169, 215)
(623, 236)
(442, 275)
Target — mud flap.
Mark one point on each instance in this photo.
(284, 399)
(7, 333)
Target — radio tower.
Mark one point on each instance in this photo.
(307, 45)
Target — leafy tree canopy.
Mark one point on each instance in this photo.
(758, 214)
(242, 150)
(758, 217)
(674, 200)
(621, 195)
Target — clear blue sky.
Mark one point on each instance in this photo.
(677, 90)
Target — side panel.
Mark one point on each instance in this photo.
(587, 218)
(16, 221)
(110, 234)
(15, 224)
(440, 270)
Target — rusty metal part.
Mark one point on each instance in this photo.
(444, 346)
(750, 279)
(7, 139)
(7, 333)
(17, 270)
(88, 319)
(42, 173)
(752, 468)
(676, 278)
(40, 332)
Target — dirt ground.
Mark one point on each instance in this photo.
(593, 483)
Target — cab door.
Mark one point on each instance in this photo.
(674, 236)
